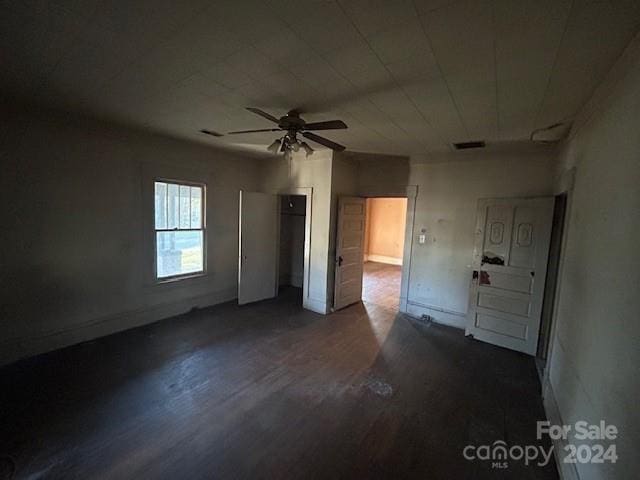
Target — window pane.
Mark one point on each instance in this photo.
(161, 205)
(185, 209)
(174, 205)
(196, 207)
(178, 253)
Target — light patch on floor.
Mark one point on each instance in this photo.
(378, 386)
(381, 284)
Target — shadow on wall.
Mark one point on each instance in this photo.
(380, 175)
(32, 295)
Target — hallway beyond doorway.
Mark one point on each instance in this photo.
(381, 284)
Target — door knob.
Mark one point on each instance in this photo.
(340, 261)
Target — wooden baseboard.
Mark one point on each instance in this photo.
(567, 471)
(437, 314)
(383, 259)
(99, 327)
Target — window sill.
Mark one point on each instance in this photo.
(179, 278)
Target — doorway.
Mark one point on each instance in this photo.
(261, 216)
(551, 285)
(291, 251)
(385, 222)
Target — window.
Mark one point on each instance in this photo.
(179, 225)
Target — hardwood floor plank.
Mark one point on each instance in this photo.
(269, 390)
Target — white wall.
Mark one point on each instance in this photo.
(595, 357)
(449, 187)
(278, 175)
(77, 250)
(378, 175)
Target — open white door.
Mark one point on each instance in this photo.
(510, 265)
(257, 270)
(349, 251)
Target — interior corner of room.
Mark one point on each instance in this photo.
(415, 229)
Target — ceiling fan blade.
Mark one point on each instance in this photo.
(255, 131)
(330, 125)
(323, 141)
(266, 115)
(211, 132)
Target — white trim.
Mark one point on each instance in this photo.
(203, 227)
(437, 314)
(383, 259)
(188, 175)
(98, 327)
(559, 284)
(412, 194)
(567, 471)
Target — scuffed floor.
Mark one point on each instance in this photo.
(270, 390)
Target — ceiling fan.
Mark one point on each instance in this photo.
(293, 125)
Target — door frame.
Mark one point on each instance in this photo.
(306, 192)
(553, 270)
(565, 187)
(410, 192)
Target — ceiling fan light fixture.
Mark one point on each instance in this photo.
(308, 150)
(275, 146)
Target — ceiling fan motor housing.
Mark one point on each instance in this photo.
(291, 121)
(294, 125)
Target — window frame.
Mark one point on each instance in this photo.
(203, 229)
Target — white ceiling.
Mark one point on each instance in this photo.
(407, 76)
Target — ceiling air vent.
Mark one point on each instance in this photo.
(467, 145)
(211, 132)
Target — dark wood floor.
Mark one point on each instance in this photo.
(270, 391)
(381, 284)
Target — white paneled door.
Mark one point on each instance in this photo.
(258, 249)
(349, 251)
(509, 269)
